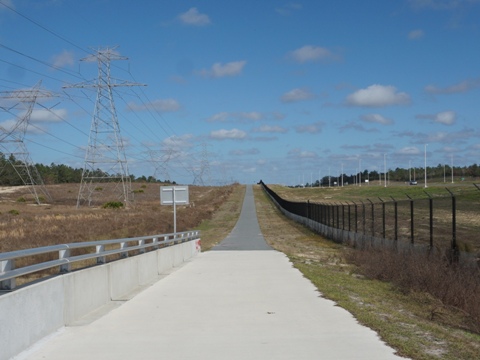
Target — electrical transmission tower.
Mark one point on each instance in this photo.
(160, 159)
(202, 171)
(105, 174)
(12, 143)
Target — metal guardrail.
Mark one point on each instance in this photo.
(8, 272)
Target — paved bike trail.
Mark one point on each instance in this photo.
(241, 301)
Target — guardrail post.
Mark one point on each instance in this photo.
(6, 266)
(141, 243)
(65, 254)
(123, 245)
(155, 242)
(99, 249)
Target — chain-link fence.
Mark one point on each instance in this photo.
(449, 223)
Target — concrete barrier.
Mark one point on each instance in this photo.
(33, 312)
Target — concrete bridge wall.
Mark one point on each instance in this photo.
(33, 312)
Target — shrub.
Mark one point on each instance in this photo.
(14, 212)
(113, 205)
(138, 191)
(21, 199)
(98, 188)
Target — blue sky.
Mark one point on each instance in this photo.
(283, 91)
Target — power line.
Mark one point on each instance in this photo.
(43, 27)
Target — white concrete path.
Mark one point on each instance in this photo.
(222, 305)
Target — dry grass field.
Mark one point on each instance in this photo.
(23, 224)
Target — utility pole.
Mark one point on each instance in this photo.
(105, 173)
(12, 139)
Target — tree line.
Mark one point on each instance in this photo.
(437, 174)
(53, 173)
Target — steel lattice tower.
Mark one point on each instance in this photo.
(160, 159)
(202, 171)
(12, 143)
(105, 174)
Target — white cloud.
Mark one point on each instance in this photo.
(221, 70)
(409, 150)
(376, 118)
(177, 143)
(193, 17)
(445, 117)
(309, 53)
(48, 115)
(234, 134)
(7, 125)
(378, 96)
(63, 59)
(270, 129)
(162, 105)
(461, 87)
(416, 34)
(314, 128)
(296, 95)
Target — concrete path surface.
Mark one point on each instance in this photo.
(223, 304)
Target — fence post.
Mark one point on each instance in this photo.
(395, 212)
(338, 216)
(412, 236)
(363, 217)
(348, 217)
(343, 217)
(356, 217)
(430, 205)
(373, 217)
(331, 216)
(455, 252)
(383, 219)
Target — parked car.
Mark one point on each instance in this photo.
(413, 182)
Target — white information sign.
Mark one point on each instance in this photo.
(174, 195)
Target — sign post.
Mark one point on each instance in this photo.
(174, 195)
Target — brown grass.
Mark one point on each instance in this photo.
(23, 224)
